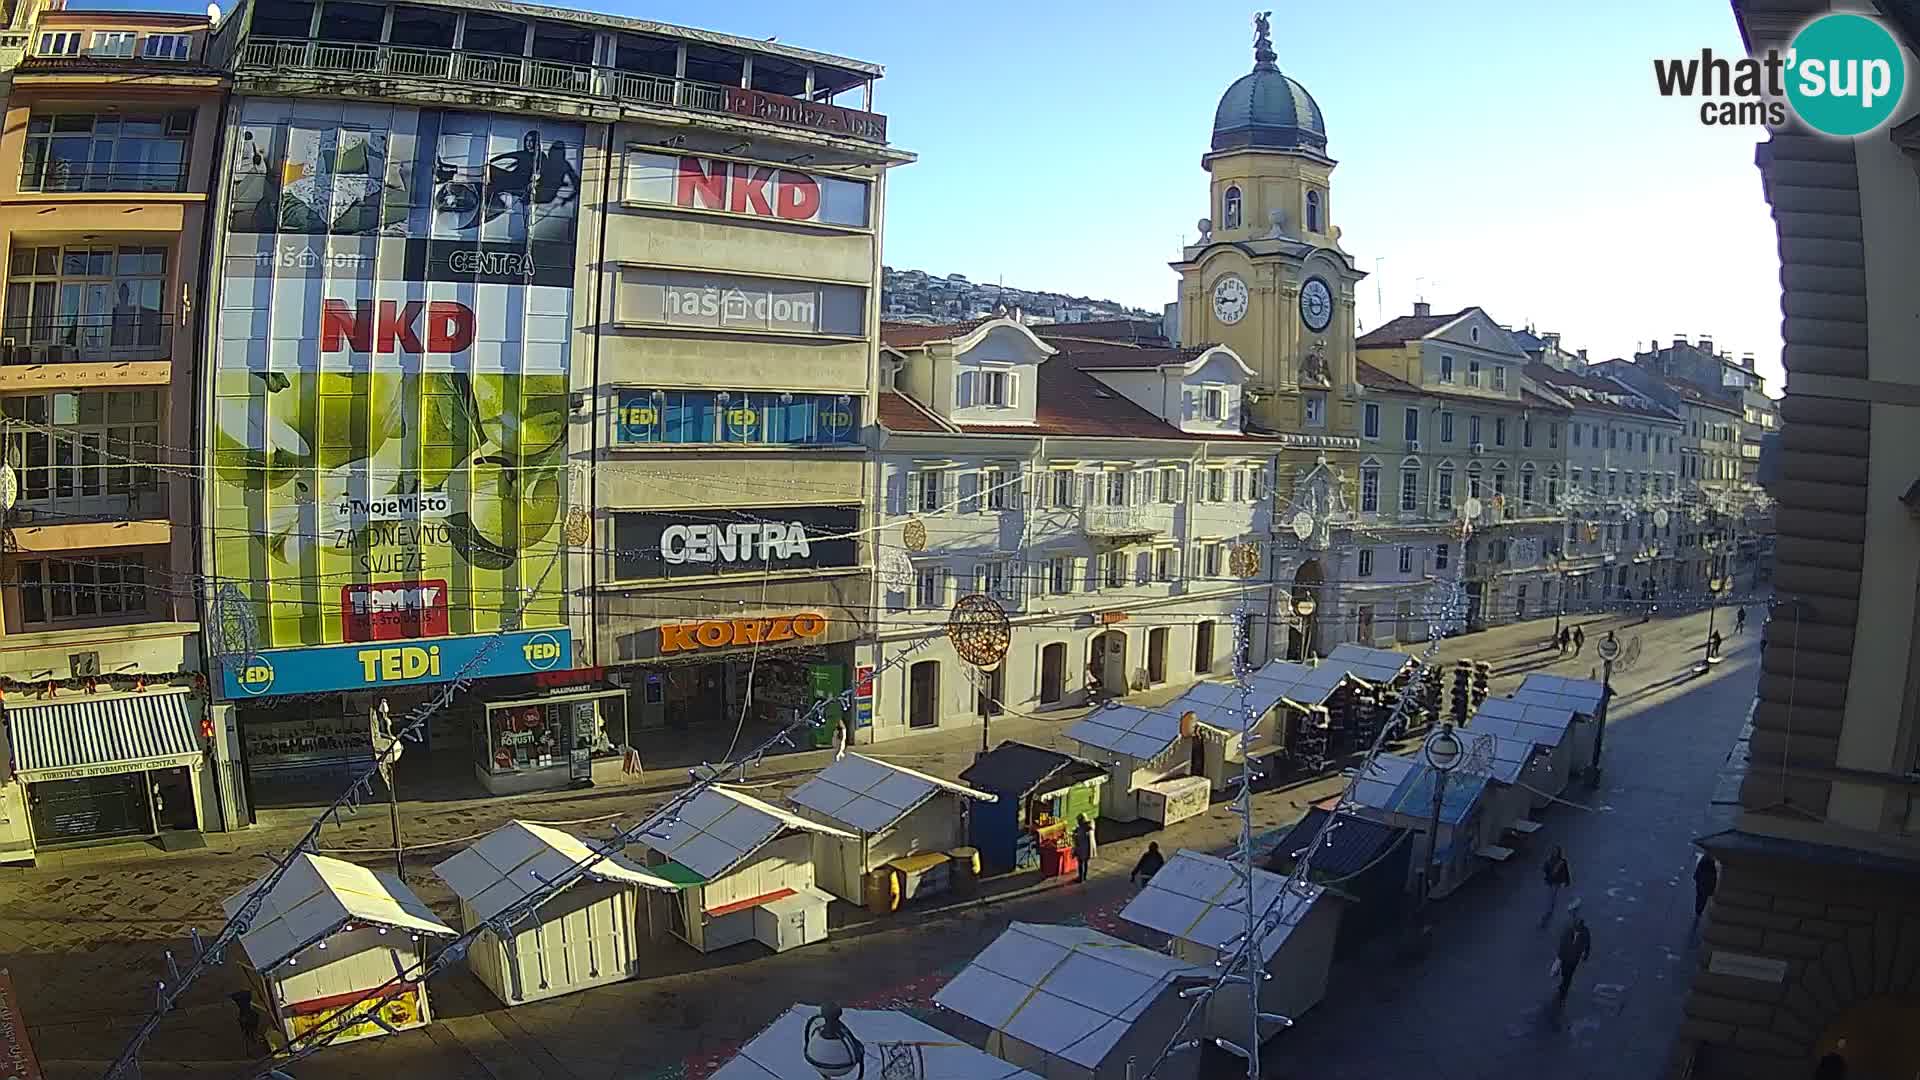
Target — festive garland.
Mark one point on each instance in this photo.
(51, 689)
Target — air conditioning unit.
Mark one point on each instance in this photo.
(1478, 448)
(1413, 446)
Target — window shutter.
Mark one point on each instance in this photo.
(897, 488)
(963, 390)
(969, 492)
(1188, 410)
(946, 587)
(1013, 389)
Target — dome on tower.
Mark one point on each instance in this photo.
(1265, 109)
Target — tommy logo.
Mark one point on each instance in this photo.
(393, 610)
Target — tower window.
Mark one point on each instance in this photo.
(1313, 211)
(1230, 209)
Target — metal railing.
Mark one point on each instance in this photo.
(78, 494)
(121, 337)
(1115, 521)
(487, 69)
(66, 177)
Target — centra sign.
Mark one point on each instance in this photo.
(757, 542)
(721, 633)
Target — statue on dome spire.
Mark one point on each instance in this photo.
(1263, 54)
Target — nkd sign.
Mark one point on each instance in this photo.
(746, 188)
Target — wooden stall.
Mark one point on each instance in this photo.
(1399, 791)
(1036, 791)
(1138, 746)
(1366, 860)
(1587, 698)
(332, 943)
(588, 934)
(900, 819)
(1549, 727)
(777, 1053)
(1072, 1003)
(730, 855)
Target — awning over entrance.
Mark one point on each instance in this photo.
(99, 736)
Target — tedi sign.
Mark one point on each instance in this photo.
(757, 542)
(1843, 76)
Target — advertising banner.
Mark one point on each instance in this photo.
(390, 415)
(417, 663)
(734, 541)
(745, 188)
(763, 418)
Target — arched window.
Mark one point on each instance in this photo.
(1553, 486)
(1526, 484)
(1313, 211)
(1410, 485)
(1443, 488)
(1369, 486)
(1500, 479)
(1230, 209)
(1473, 481)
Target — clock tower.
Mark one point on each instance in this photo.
(1268, 276)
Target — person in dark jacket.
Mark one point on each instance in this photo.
(1706, 878)
(1713, 645)
(1566, 640)
(251, 1039)
(1558, 876)
(1149, 864)
(1083, 845)
(1831, 1067)
(1579, 640)
(1576, 944)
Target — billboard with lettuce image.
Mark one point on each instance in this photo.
(390, 401)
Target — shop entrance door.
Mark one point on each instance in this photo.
(923, 697)
(1053, 673)
(1157, 655)
(173, 799)
(90, 808)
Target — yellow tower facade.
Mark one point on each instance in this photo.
(1268, 276)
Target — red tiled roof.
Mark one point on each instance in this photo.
(898, 413)
(1382, 380)
(1101, 357)
(913, 335)
(1405, 328)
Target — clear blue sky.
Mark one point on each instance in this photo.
(1513, 155)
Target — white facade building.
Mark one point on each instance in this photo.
(1103, 494)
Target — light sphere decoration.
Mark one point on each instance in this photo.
(913, 535)
(1442, 749)
(979, 631)
(1245, 561)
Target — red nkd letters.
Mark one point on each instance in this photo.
(738, 188)
(364, 327)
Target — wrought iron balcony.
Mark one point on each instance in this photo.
(115, 338)
(1126, 522)
(557, 77)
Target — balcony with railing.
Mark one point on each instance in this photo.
(117, 338)
(1127, 522)
(85, 491)
(534, 74)
(61, 176)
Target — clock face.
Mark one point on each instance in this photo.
(1316, 304)
(1230, 299)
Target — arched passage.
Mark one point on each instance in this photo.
(1308, 582)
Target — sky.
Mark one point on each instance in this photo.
(1512, 155)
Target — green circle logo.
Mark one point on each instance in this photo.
(1845, 75)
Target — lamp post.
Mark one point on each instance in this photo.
(1442, 752)
(388, 766)
(1304, 607)
(1609, 649)
(1716, 587)
(831, 1049)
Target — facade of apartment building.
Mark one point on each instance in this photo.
(536, 335)
(1106, 496)
(1490, 438)
(1809, 946)
(106, 170)
(1622, 493)
(1719, 373)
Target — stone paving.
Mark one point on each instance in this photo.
(83, 938)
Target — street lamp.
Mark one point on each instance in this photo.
(1304, 607)
(388, 765)
(831, 1049)
(1716, 587)
(1442, 752)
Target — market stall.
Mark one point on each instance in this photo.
(333, 937)
(1399, 791)
(1587, 698)
(1200, 903)
(1038, 792)
(1220, 721)
(906, 825)
(1549, 727)
(1139, 747)
(745, 871)
(1366, 860)
(1376, 667)
(778, 1053)
(586, 935)
(1072, 1003)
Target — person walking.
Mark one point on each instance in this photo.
(252, 1041)
(1579, 640)
(1149, 864)
(1566, 640)
(1713, 645)
(1706, 878)
(1576, 944)
(1740, 620)
(1558, 876)
(1083, 845)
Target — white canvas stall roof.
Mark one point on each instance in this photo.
(777, 1052)
(871, 795)
(316, 897)
(1069, 991)
(513, 860)
(1299, 684)
(1219, 705)
(1375, 786)
(1376, 666)
(1200, 898)
(1509, 748)
(721, 827)
(1548, 722)
(1129, 730)
(1583, 696)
